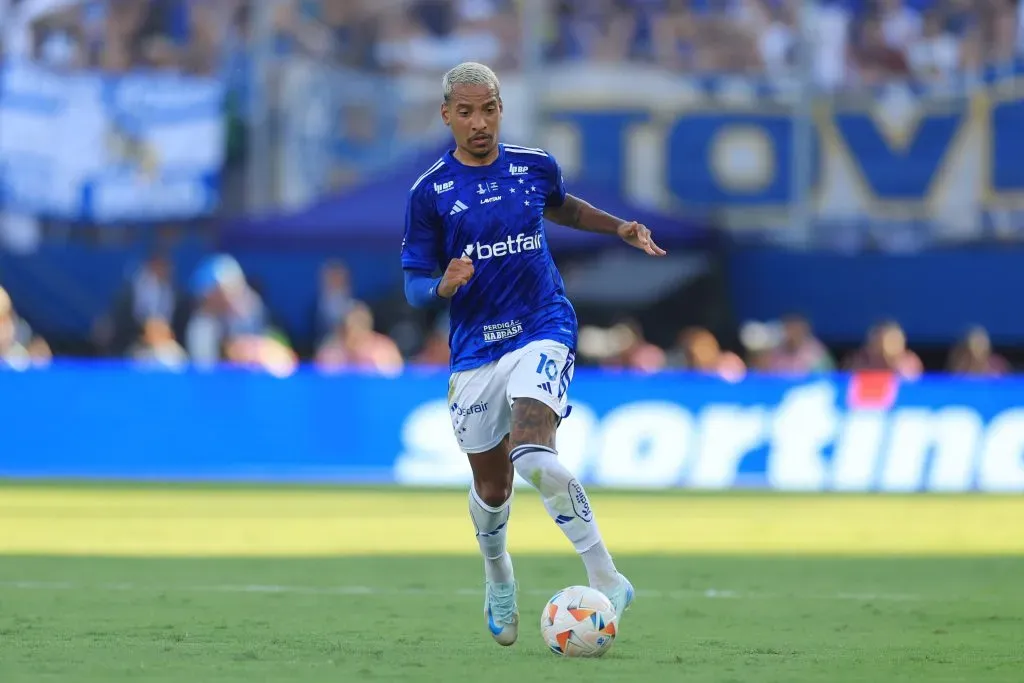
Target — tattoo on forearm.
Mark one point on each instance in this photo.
(575, 211)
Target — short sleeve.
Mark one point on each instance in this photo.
(422, 233)
(556, 193)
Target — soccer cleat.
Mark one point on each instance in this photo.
(502, 612)
(621, 596)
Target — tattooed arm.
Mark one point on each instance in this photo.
(578, 214)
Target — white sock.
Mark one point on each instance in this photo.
(492, 535)
(569, 507)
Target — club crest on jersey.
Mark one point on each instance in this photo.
(518, 170)
(441, 188)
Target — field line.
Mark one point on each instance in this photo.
(677, 595)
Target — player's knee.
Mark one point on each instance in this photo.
(495, 491)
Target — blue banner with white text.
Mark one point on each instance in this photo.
(85, 146)
(861, 433)
(900, 166)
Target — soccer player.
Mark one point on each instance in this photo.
(477, 215)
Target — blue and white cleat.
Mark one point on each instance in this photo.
(621, 596)
(502, 612)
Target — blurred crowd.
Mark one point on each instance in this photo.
(852, 41)
(786, 347)
(220, 318)
(121, 35)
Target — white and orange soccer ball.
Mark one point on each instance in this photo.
(579, 622)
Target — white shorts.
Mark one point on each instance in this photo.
(480, 400)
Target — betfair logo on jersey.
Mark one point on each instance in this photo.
(511, 245)
(518, 170)
(441, 188)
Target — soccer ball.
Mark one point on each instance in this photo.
(579, 622)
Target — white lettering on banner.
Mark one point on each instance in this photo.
(804, 424)
(666, 432)
(855, 457)
(959, 430)
(948, 434)
(1002, 457)
(660, 444)
(727, 434)
(431, 454)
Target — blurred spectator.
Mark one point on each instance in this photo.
(334, 299)
(435, 351)
(699, 351)
(886, 349)
(636, 352)
(622, 346)
(759, 340)
(158, 347)
(261, 352)
(775, 24)
(935, 55)
(799, 351)
(431, 35)
(227, 309)
(874, 58)
(1002, 18)
(900, 24)
(974, 356)
(595, 30)
(150, 293)
(676, 37)
(19, 347)
(355, 344)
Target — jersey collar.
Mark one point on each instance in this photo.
(496, 164)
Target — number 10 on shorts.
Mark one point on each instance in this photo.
(547, 367)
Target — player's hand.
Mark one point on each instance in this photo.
(639, 235)
(458, 273)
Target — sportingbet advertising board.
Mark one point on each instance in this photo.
(667, 431)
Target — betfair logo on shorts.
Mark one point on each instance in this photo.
(499, 331)
(509, 246)
(471, 410)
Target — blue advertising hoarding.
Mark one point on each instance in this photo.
(86, 146)
(654, 432)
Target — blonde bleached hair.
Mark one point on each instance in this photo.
(469, 73)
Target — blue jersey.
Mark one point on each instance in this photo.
(495, 214)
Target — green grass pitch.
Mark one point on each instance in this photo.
(208, 584)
